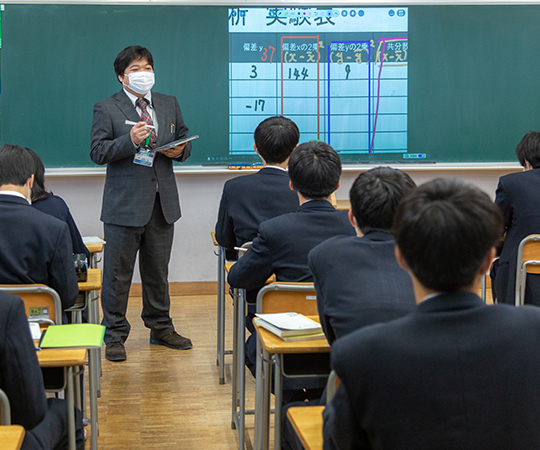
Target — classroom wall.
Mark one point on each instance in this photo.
(192, 255)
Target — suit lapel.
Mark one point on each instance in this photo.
(124, 104)
(159, 108)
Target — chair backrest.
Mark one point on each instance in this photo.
(288, 297)
(41, 303)
(5, 409)
(331, 386)
(528, 261)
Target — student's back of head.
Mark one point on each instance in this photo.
(375, 195)
(16, 165)
(38, 188)
(444, 230)
(528, 149)
(314, 169)
(275, 139)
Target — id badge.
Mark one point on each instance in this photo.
(144, 158)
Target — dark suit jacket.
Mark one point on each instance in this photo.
(454, 374)
(36, 248)
(130, 189)
(56, 207)
(45, 420)
(359, 283)
(20, 374)
(518, 197)
(283, 244)
(249, 200)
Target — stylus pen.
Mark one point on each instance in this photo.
(130, 122)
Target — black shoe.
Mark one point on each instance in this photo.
(172, 340)
(115, 351)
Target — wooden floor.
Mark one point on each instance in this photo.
(171, 399)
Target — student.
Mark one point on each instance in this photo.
(45, 420)
(36, 247)
(283, 243)
(249, 200)
(45, 201)
(455, 373)
(517, 196)
(357, 278)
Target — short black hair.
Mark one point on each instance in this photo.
(16, 165)
(375, 195)
(132, 53)
(314, 169)
(275, 139)
(444, 230)
(529, 149)
(38, 188)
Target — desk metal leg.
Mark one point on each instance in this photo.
(262, 398)
(92, 381)
(267, 385)
(259, 392)
(240, 351)
(236, 302)
(278, 394)
(221, 316)
(71, 410)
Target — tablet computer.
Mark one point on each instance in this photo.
(175, 143)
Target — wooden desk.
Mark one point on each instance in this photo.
(93, 283)
(271, 348)
(11, 437)
(67, 359)
(343, 205)
(95, 247)
(307, 422)
(61, 357)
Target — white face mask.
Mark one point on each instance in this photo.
(140, 82)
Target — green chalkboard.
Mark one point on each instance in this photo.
(473, 76)
(57, 62)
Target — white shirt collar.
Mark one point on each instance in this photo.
(275, 167)
(14, 193)
(134, 98)
(430, 296)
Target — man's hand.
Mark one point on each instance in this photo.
(139, 132)
(174, 152)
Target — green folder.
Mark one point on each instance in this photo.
(78, 335)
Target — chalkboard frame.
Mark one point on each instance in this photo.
(510, 163)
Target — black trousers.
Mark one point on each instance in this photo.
(52, 431)
(153, 242)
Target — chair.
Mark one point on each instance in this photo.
(238, 370)
(276, 298)
(528, 261)
(221, 278)
(5, 409)
(42, 304)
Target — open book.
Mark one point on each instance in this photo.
(290, 326)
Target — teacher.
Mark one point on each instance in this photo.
(140, 199)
